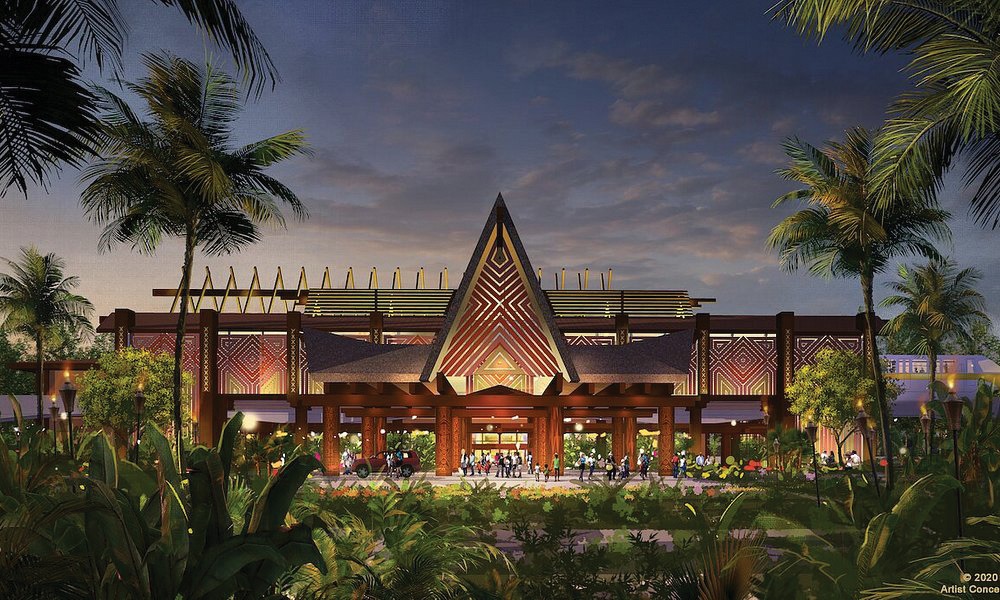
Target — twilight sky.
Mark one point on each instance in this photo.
(640, 136)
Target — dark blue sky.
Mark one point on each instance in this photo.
(640, 136)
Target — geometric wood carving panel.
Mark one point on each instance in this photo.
(807, 347)
(690, 387)
(743, 365)
(589, 339)
(252, 364)
(499, 314)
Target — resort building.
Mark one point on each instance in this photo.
(499, 362)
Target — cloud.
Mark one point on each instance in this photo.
(657, 114)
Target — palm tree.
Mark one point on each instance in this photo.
(842, 233)
(48, 116)
(940, 306)
(177, 174)
(36, 298)
(954, 47)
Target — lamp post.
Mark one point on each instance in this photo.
(140, 405)
(953, 410)
(54, 423)
(811, 429)
(925, 424)
(68, 393)
(862, 423)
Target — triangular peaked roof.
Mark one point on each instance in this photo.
(499, 303)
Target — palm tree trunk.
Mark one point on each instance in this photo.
(932, 365)
(875, 362)
(41, 375)
(179, 344)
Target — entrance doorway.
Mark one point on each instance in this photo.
(491, 442)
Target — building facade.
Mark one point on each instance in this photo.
(497, 354)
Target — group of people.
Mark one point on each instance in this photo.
(609, 467)
(828, 458)
(511, 464)
(502, 465)
(679, 462)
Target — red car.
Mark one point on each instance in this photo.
(377, 463)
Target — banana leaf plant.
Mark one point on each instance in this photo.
(837, 552)
(160, 537)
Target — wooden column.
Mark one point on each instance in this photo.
(777, 405)
(556, 436)
(293, 364)
(618, 435)
(442, 441)
(543, 456)
(631, 431)
(301, 424)
(703, 333)
(622, 335)
(331, 440)
(369, 432)
(694, 429)
(727, 445)
(210, 410)
(375, 325)
(124, 325)
(457, 442)
(665, 442)
(381, 439)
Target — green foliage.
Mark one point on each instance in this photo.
(844, 229)
(134, 532)
(178, 174)
(940, 307)
(13, 382)
(828, 391)
(398, 550)
(51, 114)
(424, 444)
(107, 394)
(35, 298)
(951, 110)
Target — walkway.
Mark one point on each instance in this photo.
(564, 482)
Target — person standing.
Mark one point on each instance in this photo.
(590, 464)
(675, 463)
(683, 464)
(555, 466)
(582, 463)
(531, 462)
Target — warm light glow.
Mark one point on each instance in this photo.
(951, 384)
(923, 409)
(578, 427)
(249, 422)
(567, 420)
(381, 431)
(733, 423)
(413, 418)
(64, 416)
(514, 418)
(66, 374)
